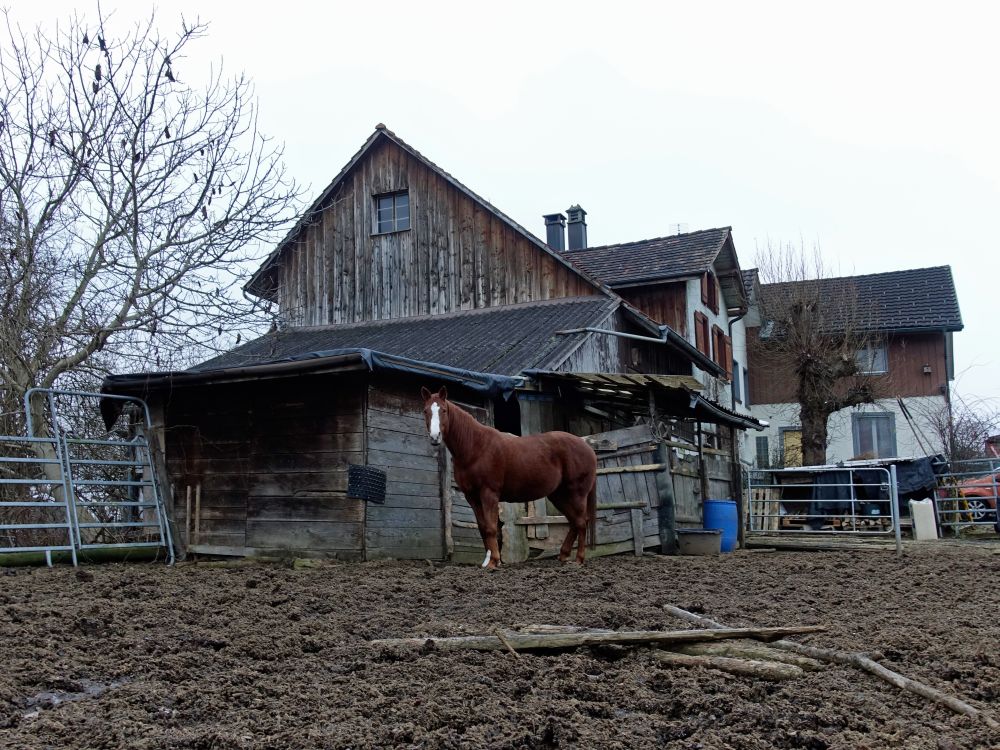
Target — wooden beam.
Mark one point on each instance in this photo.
(857, 660)
(765, 670)
(631, 469)
(531, 641)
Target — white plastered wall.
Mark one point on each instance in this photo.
(919, 440)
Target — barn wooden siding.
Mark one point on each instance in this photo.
(602, 352)
(457, 255)
(773, 382)
(666, 304)
(410, 525)
(271, 462)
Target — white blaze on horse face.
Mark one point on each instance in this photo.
(489, 554)
(435, 430)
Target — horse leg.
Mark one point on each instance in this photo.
(575, 511)
(489, 526)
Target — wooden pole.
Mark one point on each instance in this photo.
(530, 641)
(188, 521)
(856, 660)
(667, 521)
(197, 513)
(765, 670)
(737, 486)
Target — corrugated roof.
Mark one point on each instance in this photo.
(910, 300)
(502, 340)
(680, 394)
(652, 260)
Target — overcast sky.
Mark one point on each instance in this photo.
(870, 129)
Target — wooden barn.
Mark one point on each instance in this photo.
(398, 277)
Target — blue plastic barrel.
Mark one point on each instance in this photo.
(721, 514)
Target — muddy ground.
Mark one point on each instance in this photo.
(145, 656)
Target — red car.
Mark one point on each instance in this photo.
(980, 495)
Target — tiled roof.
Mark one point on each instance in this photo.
(501, 340)
(652, 260)
(914, 299)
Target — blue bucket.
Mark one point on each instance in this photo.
(721, 514)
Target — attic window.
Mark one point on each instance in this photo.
(392, 212)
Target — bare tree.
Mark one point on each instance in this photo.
(963, 429)
(131, 202)
(817, 337)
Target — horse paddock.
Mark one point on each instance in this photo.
(275, 656)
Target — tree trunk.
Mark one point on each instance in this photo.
(814, 435)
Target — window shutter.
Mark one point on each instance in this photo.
(729, 356)
(704, 288)
(701, 340)
(713, 293)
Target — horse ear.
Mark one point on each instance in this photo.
(443, 393)
(424, 393)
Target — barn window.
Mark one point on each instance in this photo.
(392, 212)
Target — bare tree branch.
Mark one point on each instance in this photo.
(132, 204)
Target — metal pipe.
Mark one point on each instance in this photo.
(894, 500)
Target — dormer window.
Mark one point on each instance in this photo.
(392, 212)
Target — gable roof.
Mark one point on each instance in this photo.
(652, 260)
(257, 286)
(501, 340)
(664, 259)
(913, 300)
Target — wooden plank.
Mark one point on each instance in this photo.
(335, 507)
(393, 459)
(391, 537)
(380, 516)
(294, 535)
(401, 442)
(411, 489)
(403, 423)
(410, 501)
(637, 534)
(332, 483)
(630, 469)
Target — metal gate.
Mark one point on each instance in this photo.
(92, 490)
(824, 500)
(967, 495)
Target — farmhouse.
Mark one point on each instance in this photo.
(398, 277)
(911, 316)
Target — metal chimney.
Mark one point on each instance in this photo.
(577, 227)
(555, 231)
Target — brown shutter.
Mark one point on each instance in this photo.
(729, 357)
(704, 288)
(701, 333)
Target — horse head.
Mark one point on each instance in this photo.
(436, 413)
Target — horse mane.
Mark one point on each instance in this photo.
(461, 431)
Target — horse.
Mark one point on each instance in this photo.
(493, 467)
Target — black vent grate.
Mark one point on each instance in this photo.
(366, 483)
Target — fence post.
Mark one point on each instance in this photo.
(894, 500)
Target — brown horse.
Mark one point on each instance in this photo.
(493, 467)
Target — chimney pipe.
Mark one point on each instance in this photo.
(555, 231)
(577, 228)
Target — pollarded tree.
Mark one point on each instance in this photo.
(131, 202)
(816, 332)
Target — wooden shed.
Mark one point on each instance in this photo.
(399, 276)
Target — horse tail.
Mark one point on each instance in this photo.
(592, 516)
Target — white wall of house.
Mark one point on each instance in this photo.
(841, 446)
(717, 388)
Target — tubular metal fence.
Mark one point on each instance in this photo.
(78, 487)
(967, 495)
(824, 500)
